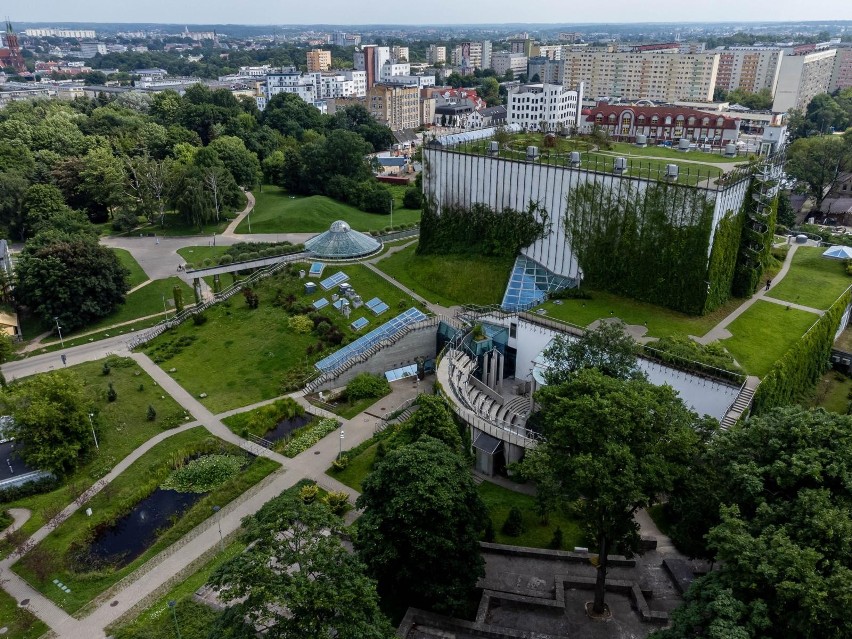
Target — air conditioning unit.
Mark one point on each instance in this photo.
(672, 171)
(493, 148)
(619, 165)
(574, 159)
(532, 153)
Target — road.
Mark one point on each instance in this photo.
(73, 355)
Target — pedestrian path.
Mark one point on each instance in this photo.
(232, 227)
(720, 331)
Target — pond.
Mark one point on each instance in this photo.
(285, 427)
(134, 533)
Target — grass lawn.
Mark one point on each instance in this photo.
(661, 321)
(137, 275)
(359, 467)
(156, 621)
(175, 226)
(124, 492)
(812, 279)
(449, 280)
(764, 333)
(276, 211)
(240, 356)
(499, 501)
(22, 624)
(622, 148)
(122, 426)
(832, 392)
(197, 254)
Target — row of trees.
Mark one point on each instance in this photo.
(826, 113)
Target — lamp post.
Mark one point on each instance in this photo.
(216, 509)
(95, 437)
(165, 310)
(59, 330)
(340, 452)
(391, 214)
(172, 605)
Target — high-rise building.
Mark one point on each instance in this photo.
(548, 71)
(472, 55)
(750, 69)
(549, 51)
(341, 39)
(79, 34)
(319, 60)
(371, 58)
(400, 54)
(801, 77)
(436, 54)
(653, 75)
(504, 61)
(395, 106)
(521, 45)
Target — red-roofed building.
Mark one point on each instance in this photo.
(660, 123)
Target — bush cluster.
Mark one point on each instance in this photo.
(308, 436)
(203, 474)
(367, 385)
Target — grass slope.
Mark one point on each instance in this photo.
(137, 275)
(764, 333)
(812, 279)
(276, 211)
(450, 279)
(661, 321)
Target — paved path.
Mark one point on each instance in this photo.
(232, 227)
(74, 355)
(720, 331)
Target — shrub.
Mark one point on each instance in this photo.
(488, 535)
(204, 474)
(413, 198)
(514, 524)
(152, 413)
(226, 259)
(308, 436)
(106, 369)
(381, 453)
(252, 300)
(337, 502)
(111, 394)
(199, 318)
(367, 385)
(308, 493)
(556, 540)
(301, 324)
(341, 463)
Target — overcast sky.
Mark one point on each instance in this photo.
(431, 12)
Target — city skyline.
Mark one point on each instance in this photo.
(441, 12)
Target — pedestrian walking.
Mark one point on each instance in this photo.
(768, 284)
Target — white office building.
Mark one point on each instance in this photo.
(544, 107)
(503, 61)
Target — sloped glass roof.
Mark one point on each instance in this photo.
(341, 242)
(529, 284)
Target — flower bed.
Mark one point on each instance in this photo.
(308, 436)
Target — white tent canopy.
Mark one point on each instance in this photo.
(839, 253)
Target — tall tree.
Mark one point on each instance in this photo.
(242, 163)
(295, 580)
(781, 528)
(419, 534)
(607, 348)
(615, 445)
(50, 420)
(70, 277)
(818, 162)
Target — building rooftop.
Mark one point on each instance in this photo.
(341, 242)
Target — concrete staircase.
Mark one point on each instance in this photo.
(741, 404)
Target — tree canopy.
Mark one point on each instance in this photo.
(615, 445)
(818, 162)
(295, 580)
(777, 511)
(419, 534)
(49, 418)
(607, 347)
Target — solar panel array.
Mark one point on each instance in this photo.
(365, 342)
(333, 280)
(377, 306)
(359, 323)
(316, 269)
(320, 303)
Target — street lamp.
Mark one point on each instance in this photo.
(340, 452)
(172, 605)
(95, 437)
(165, 310)
(391, 214)
(59, 329)
(216, 509)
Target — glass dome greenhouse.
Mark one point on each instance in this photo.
(341, 242)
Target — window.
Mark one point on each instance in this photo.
(641, 119)
(655, 119)
(611, 118)
(705, 121)
(720, 122)
(668, 119)
(691, 121)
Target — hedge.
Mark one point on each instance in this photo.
(799, 369)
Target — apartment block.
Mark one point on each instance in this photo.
(399, 54)
(549, 51)
(319, 60)
(307, 86)
(649, 75)
(503, 61)
(750, 69)
(549, 71)
(472, 55)
(841, 75)
(801, 77)
(371, 58)
(396, 106)
(436, 54)
(544, 107)
(79, 34)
